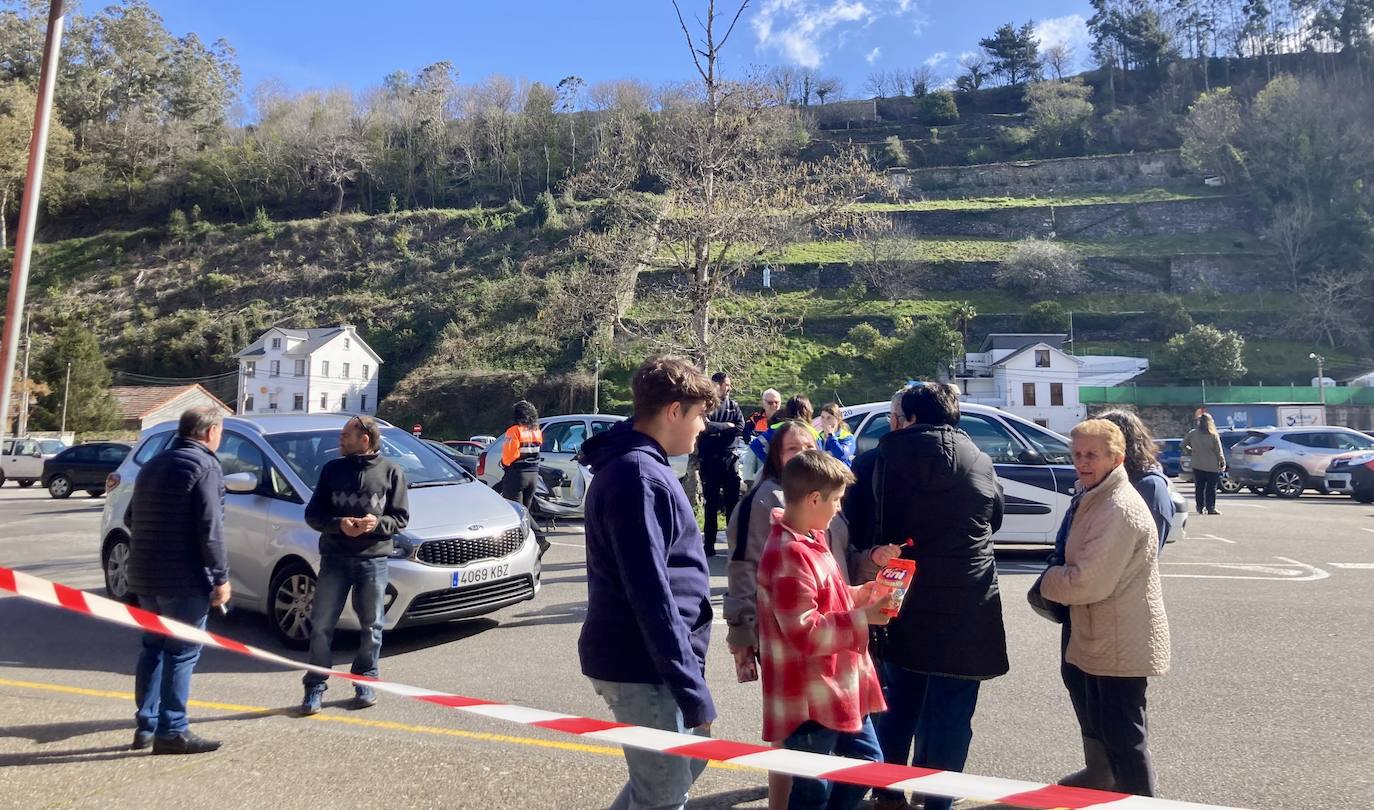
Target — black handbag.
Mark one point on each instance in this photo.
(1053, 611)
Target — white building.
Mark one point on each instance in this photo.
(1032, 376)
(308, 371)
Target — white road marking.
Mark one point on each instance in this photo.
(1363, 529)
(566, 545)
(1230, 504)
(1214, 537)
(1356, 566)
(1305, 572)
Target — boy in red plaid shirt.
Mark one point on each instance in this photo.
(819, 685)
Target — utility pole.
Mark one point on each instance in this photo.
(1321, 376)
(22, 426)
(596, 388)
(28, 210)
(66, 391)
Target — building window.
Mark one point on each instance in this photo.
(300, 368)
(343, 402)
(324, 368)
(363, 405)
(271, 402)
(348, 344)
(1028, 394)
(298, 402)
(324, 402)
(345, 371)
(365, 370)
(276, 368)
(276, 343)
(250, 368)
(1042, 358)
(1044, 423)
(248, 404)
(1056, 393)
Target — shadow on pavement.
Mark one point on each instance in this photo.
(727, 801)
(42, 733)
(565, 613)
(73, 757)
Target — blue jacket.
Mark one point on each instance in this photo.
(1154, 489)
(648, 586)
(177, 517)
(840, 445)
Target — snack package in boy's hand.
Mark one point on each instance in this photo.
(896, 578)
(746, 666)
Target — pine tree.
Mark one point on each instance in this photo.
(89, 404)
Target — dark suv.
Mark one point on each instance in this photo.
(85, 466)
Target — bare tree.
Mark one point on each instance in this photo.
(1329, 306)
(1060, 59)
(828, 86)
(880, 84)
(732, 191)
(918, 81)
(1292, 229)
(977, 70)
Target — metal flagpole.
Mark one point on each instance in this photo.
(28, 210)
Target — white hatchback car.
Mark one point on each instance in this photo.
(466, 551)
(1034, 466)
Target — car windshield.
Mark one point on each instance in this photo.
(306, 454)
(52, 446)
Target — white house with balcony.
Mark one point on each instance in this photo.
(329, 370)
(1032, 376)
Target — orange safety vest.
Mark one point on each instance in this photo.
(522, 443)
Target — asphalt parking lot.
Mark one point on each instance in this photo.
(1270, 702)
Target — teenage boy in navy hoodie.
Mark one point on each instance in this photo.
(643, 644)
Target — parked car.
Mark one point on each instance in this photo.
(21, 460)
(1169, 452)
(465, 460)
(1353, 475)
(1229, 438)
(1034, 465)
(1287, 461)
(467, 448)
(482, 439)
(85, 466)
(466, 551)
(563, 438)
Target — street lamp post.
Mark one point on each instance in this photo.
(1321, 376)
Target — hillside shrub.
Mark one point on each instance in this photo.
(546, 213)
(1040, 265)
(865, 337)
(1206, 353)
(894, 153)
(938, 109)
(1045, 317)
(1173, 318)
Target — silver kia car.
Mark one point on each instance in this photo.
(466, 551)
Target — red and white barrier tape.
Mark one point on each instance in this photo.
(797, 763)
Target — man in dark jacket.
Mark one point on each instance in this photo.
(178, 569)
(359, 503)
(936, 489)
(718, 449)
(643, 644)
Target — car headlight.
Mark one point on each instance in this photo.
(1362, 458)
(404, 547)
(526, 521)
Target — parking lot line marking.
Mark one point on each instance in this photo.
(1312, 574)
(1363, 529)
(1232, 503)
(1355, 566)
(1214, 537)
(387, 725)
(566, 545)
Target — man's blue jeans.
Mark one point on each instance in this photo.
(367, 577)
(657, 781)
(933, 711)
(162, 680)
(818, 794)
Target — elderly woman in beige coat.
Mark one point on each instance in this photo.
(1119, 635)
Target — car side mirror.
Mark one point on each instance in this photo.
(37, 453)
(241, 482)
(1030, 457)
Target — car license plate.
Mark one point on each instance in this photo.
(480, 574)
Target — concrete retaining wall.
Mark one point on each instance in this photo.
(1056, 176)
(1085, 221)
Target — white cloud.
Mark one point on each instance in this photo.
(873, 55)
(1071, 31)
(802, 32)
(936, 59)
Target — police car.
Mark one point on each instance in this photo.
(1034, 466)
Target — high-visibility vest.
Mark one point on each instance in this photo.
(522, 444)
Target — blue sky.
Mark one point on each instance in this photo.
(316, 44)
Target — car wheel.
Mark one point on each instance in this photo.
(1228, 486)
(26, 483)
(2, 478)
(59, 487)
(1363, 495)
(115, 561)
(1287, 482)
(293, 592)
